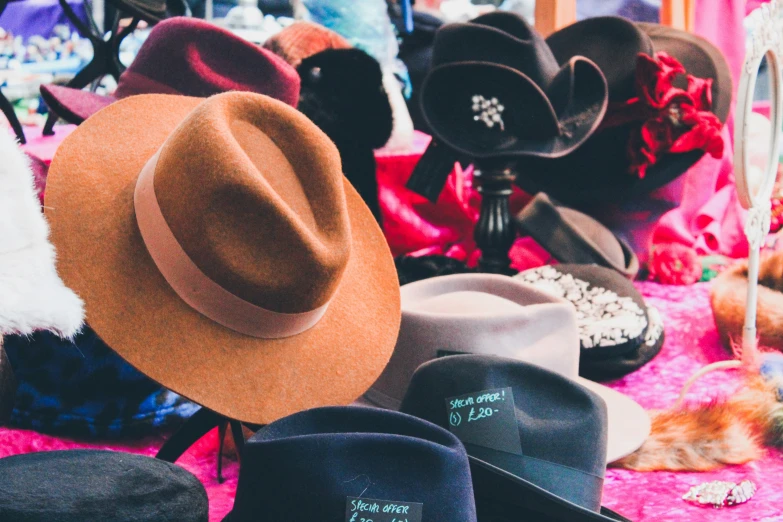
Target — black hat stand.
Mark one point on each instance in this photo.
(495, 231)
(196, 427)
(106, 57)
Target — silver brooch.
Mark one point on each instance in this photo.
(720, 493)
(488, 111)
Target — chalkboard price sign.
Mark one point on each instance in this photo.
(373, 510)
(486, 418)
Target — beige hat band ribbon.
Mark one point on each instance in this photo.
(194, 287)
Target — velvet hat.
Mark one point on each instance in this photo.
(353, 464)
(190, 57)
(220, 250)
(571, 236)
(658, 123)
(110, 486)
(537, 441)
(618, 331)
(496, 90)
(497, 315)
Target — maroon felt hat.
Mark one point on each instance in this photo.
(190, 57)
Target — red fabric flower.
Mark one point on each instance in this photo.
(674, 264)
(674, 120)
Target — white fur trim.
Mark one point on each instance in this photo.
(32, 296)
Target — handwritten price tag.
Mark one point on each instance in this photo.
(486, 418)
(372, 510)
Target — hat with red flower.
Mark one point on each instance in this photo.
(669, 96)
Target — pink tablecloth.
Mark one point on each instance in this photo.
(691, 342)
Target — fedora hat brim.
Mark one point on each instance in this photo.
(605, 152)
(573, 237)
(103, 257)
(73, 105)
(536, 123)
(501, 495)
(621, 365)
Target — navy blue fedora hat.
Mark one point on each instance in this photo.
(536, 440)
(351, 464)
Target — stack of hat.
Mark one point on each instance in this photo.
(501, 316)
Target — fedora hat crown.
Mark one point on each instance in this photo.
(505, 39)
(308, 466)
(188, 56)
(266, 223)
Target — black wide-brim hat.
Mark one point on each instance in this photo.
(618, 331)
(598, 171)
(571, 236)
(496, 91)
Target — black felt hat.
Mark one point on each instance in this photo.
(497, 91)
(618, 332)
(571, 236)
(110, 486)
(352, 464)
(600, 170)
(536, 440)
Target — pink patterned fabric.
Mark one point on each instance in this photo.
(691, 342)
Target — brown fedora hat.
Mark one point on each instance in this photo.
(220, 251)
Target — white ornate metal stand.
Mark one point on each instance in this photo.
(766, 42)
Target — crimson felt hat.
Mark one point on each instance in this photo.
(190, 57)
(220, 250)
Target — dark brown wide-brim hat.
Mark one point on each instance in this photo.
(573, 237)
(599, 170)
(497, 91)
(220, 250)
